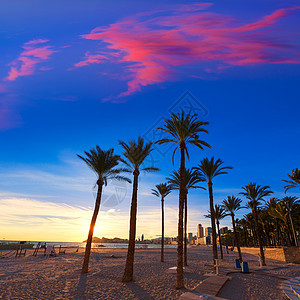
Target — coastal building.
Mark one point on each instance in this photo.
(206, 240)
(208, 231)
(200, 231)
(223, 230)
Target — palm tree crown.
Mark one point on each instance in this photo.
(211, 168)
(220, 213)
(103, 163)
(191, 179)
(255, 193)
(162, 190)
(294, 181)
(135, 154)
(184, 129)
(232, 204)
(280, 211)
(291, 202)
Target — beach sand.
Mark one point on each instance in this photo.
(60, 278)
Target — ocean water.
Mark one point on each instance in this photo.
(80, 244)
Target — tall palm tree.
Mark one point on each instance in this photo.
(220, 214)
(191, 178)
(270, 204)
(256, 193)
(183, 129)
(290, 203)
(162, 191)
(210, 168)
(244, 224)
(135, 153)
(265, 220)
(280, 212)
(232, 204)
(294, 181)
(103, 163)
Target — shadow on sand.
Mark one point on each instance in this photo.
(138, 291)
(81, 288)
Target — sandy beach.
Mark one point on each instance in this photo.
(60, 278)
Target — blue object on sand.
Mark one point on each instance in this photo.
(237, 264)
(245, 268)
(227, 252)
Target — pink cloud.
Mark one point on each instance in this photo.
(91, 59)
(35, 52)
(153, 46)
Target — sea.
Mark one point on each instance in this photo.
(94, 245)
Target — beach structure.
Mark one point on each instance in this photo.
(49, 250)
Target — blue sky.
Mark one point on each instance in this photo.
(76, 76)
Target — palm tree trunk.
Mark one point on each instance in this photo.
(283, 241)
(220, 240)
(162, 230)
(254, 233)
(258, 234)
(293, 229)
(185, 230)
(128, 273)
(267, 230)
(245, 236)
(88, 246)
(236, 239)
(288, 236)
(179, 281)
(278, 232)
(213, 222)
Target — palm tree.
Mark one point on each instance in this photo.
(210, 168)
(162, 191)
(244, 224)
(219, 215)
(294, 181)
(270, 204)
(255, 193)
(183, 129)
(280, 212)
(135, 153)
(103, 163)
(191, 178)
(290, 203)
(233, 204)
(265, 220)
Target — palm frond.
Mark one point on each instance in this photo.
(103, 163)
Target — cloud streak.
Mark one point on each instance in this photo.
(35, 52)
(153, 46)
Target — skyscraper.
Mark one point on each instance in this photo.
(190, 237)
(200, 233)
(208, 231)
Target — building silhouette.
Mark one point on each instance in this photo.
(208, 231)
(223, 230)
(200, 233)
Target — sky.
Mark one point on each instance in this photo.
(77, 75)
